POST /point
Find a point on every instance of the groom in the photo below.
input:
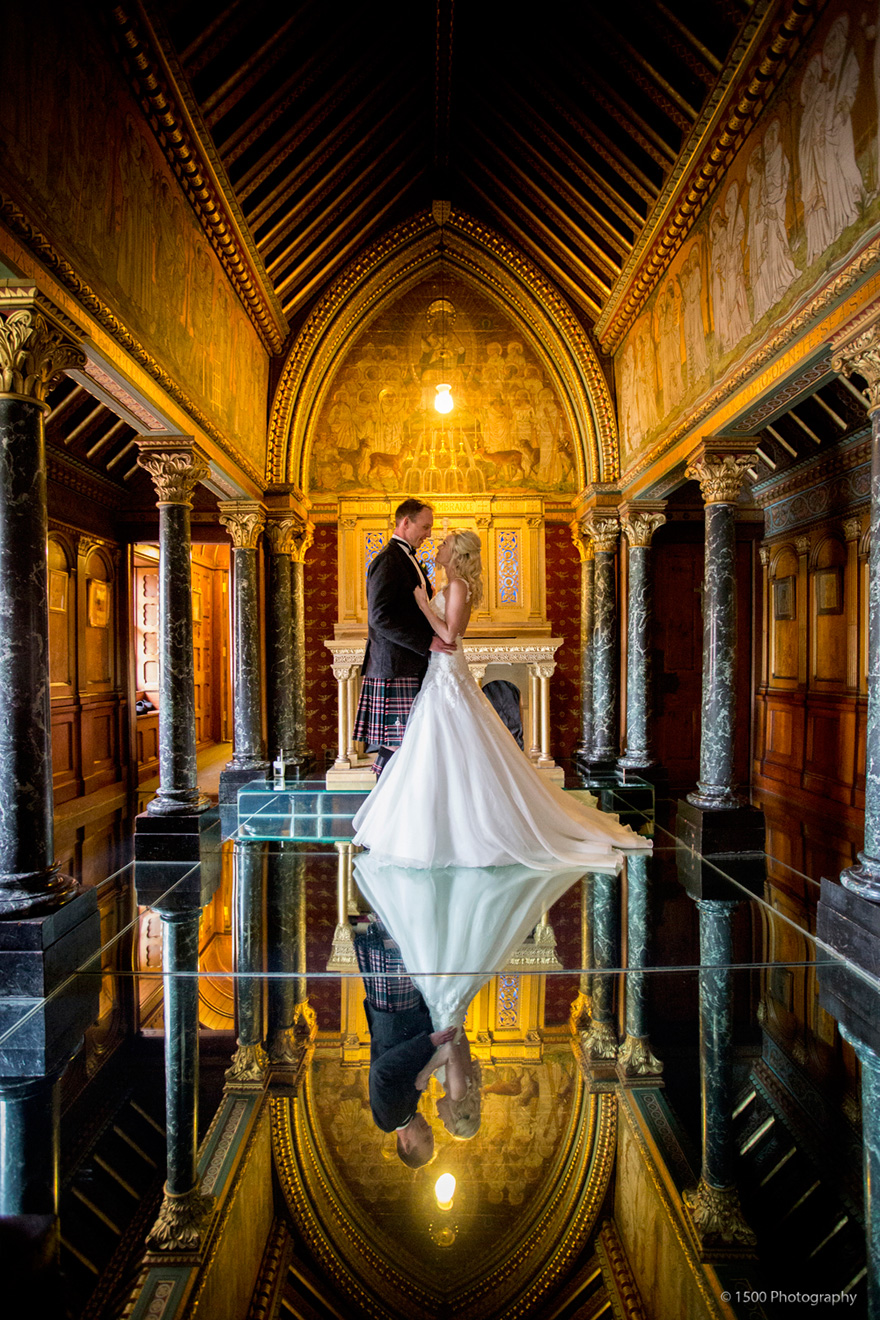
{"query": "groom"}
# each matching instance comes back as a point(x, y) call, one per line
point(399, 636)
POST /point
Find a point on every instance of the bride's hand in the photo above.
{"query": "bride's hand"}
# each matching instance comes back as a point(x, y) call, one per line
point(421, 596)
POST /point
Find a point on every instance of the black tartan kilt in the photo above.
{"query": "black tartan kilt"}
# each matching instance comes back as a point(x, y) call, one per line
point(383, 710)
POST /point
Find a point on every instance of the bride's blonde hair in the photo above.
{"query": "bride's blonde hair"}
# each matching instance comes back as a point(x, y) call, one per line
point(467, 562)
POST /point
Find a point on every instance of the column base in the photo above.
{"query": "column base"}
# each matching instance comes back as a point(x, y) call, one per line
point(717, 1222)
point(864, 878)
point(178, 802)
point(600, 1042)
point(720, 829)
point(34, 893)
point(235, 775)
point(182, 1222)
point(249, 1068)
point(596, 764)
point(172, 838)
point(38, 953)
point(636, 1062)
point(850, 924)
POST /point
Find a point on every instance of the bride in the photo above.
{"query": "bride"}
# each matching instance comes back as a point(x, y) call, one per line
point(459, 792)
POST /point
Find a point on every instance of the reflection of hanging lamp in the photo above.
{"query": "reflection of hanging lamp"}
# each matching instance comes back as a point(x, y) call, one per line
point(444, 401)
point(444, 1190)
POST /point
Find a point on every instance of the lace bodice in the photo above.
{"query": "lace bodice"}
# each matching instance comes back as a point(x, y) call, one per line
point(447, 671)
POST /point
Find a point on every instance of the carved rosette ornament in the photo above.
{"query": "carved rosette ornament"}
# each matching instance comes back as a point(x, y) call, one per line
point(639, 528)
point(34, 354)
point(182, 1222)
point(604, 532)
point(244, 521)
point(862, 358)
point(176, 467)
point(720, 476)
point(717, 1217)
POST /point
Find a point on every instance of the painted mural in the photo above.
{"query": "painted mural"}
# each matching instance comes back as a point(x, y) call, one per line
point(801, 194)
point(378, 428)
point(75, 147)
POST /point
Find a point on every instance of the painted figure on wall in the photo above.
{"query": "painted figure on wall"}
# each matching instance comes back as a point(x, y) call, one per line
point(729, 301)
point(831, 184)
point(668, 321)
point(694, 329)
point(768, 173)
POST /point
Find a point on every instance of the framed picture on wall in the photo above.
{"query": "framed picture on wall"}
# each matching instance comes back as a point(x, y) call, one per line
point(197, 606)
point(98, 600)
point(829, 590)
point(57, 591)
point(784, 598)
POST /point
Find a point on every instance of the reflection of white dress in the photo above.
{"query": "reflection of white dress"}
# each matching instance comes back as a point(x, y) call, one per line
point(456, 927)
point(459, 792)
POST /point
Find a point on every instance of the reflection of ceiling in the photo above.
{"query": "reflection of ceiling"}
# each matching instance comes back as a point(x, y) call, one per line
point(334, 122)
point(530, 1188)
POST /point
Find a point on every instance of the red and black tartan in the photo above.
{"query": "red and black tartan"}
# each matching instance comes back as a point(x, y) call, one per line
point(387, 985)
point(383, 710)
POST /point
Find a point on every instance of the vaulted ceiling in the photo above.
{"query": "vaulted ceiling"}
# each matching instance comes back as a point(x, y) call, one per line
point(556, 125)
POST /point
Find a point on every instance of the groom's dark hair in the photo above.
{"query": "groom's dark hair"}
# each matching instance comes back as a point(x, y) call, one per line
point(410, 508)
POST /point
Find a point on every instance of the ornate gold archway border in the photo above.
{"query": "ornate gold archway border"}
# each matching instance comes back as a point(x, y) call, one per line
point(383, 273)
point(527, 1263)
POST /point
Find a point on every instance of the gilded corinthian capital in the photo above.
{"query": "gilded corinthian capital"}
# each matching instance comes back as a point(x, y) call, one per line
point(284, 534)
point(175, 465)
point(603, 530)
point(861, 357)
point(37, 344)
point(639, 526)
point(720, 476)
point(243, 520)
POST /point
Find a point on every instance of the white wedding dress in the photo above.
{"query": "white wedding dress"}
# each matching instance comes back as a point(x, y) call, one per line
point(456, 926)
point(459, 792)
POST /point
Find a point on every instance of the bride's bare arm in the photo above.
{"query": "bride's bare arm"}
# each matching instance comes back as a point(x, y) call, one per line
point(458, 611)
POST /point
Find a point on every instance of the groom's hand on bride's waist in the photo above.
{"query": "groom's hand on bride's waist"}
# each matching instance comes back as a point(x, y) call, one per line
point(438, 644)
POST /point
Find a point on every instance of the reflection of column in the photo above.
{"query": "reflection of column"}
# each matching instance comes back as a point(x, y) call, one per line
point(290, 1018)
point(604, 530)
point(244, 521)
point(342, 954)
point(302, 543)
point(863, 357)
point(584, 547)
point(720, 477)
point(180, 1225)
point(636, 1058)
point(639, 527)
point(600, 1038)
point(714, 1207)
point(249, 1061)
point(29, 1145)
point(544, 673)
point(34, 355)
point(280, 536)
point(176, 468)
point(870, 1080)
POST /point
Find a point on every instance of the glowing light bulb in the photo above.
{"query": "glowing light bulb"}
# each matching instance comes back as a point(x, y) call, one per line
point(444, 1190)
point(443, 402)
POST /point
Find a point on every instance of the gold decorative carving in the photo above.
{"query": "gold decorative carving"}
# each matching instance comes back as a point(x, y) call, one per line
point(764, 553)
point(603, 530)
point(181, 1223)
point(802, 544)
point(617, 1273)
point(34, 352)
point(852, 528)
point(176, 467)
point(303, 541)
point(862, 357)
point(175, 120)
point(639, 528)
point(717, 1217)
point(636, 1058)
point(282, 533)
point(248, 1068)
point(20, 225)
point(244, 520)
point(271, 1272)
point(720, 476)
point(582, 542)
point(342, 953)
point(599, 1041)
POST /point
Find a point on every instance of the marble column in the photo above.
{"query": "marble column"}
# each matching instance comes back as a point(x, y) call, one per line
point(176, 468)
point(714, 1207)
point(584, 547)
point(720, 477)
point(291, 1023)
point(29, 1145)
point(636, 1059)
point(181, 1222)
point(244, 520)
point(870, 1068)
point(639, 527)
point(34, 353)
point(604, 531)
point(249, 1063)
point(582, 1007)
point(862, 357)
point(286, 660)
point(600, 1040)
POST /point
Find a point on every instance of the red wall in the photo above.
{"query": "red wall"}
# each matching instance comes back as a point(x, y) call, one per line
point(321, 612)
point(563, 613)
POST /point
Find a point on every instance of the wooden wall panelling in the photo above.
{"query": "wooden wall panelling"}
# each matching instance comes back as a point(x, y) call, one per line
point(786, 610)
point(62, 563)
point(99, 686)
point(145, 641)
point(203, 643)
point(828, 616)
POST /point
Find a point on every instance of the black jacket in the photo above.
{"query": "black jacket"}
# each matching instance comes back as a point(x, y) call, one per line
point(400, 1046)
point(398, 634)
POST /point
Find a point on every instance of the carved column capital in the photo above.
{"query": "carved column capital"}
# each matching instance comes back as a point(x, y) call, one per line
point(282, 533)
point(852, 528)
point(720, 476)
point(303, 539)
point(862, 357)
point(764, 553)
point(639, 527)
point(604, 531)
point(244, 521)
point(581, 542)
point(802, 545)
point(37, 344)
point(175, 465)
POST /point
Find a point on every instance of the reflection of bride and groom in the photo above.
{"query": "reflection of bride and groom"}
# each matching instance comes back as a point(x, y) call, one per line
point(453, 790)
